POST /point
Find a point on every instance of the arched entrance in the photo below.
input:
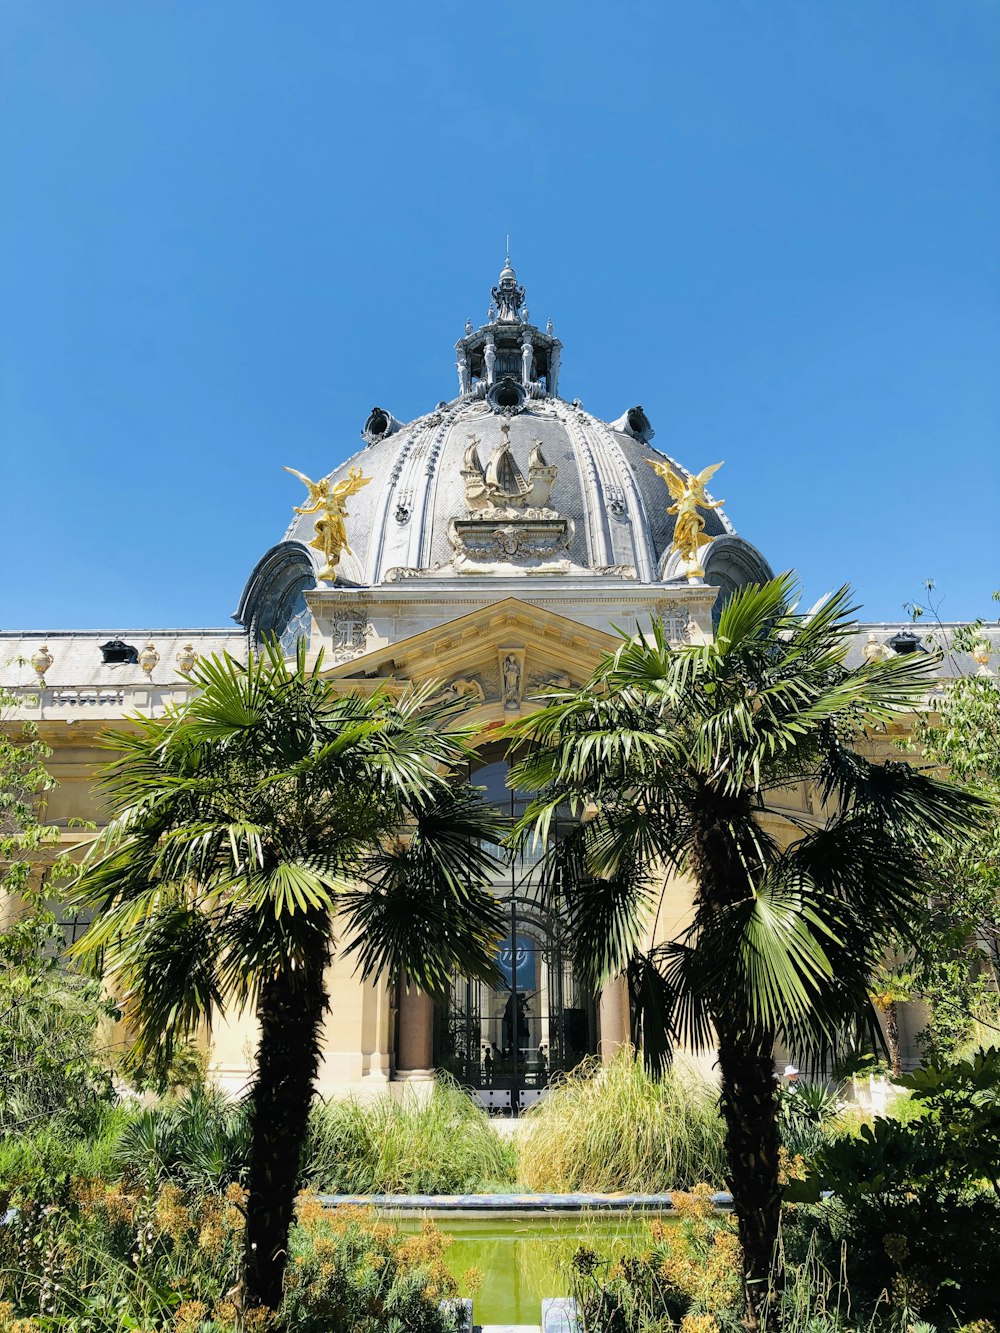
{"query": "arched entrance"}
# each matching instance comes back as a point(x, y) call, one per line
point(505, 1042)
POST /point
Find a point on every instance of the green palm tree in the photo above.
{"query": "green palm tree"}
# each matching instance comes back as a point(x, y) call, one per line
point(890, 987)
point(247, 820)
point(684, 760)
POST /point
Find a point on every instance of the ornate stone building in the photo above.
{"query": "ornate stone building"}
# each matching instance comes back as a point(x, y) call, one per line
point(491, 545)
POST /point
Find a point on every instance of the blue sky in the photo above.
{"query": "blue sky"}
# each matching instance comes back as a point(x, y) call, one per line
point(228, 229)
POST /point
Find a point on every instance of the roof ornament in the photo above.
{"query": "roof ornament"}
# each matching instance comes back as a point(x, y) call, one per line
point(689, 496)
point(501, 487)
point(508, 295)
point(328, 502)
point(41, 660)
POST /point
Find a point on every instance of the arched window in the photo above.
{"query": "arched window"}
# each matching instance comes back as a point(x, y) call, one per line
point(506, 1041)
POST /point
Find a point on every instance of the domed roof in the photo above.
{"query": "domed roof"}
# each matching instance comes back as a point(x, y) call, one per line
point(510, 478)
point(611, 501)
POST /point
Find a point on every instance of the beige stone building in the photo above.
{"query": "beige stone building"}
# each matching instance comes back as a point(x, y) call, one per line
point(501, 540)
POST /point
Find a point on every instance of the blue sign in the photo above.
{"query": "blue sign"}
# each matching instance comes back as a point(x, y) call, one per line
point(525, 954)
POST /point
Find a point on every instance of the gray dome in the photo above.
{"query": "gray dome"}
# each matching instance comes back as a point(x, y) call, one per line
point(401, 522)
point(505, 479)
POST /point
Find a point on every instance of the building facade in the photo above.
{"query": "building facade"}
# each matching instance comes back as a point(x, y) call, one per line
point(495, 545)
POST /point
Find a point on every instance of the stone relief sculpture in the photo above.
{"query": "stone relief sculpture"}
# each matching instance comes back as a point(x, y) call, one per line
point(328, 502)
point(689, 497)
point(511, 672)
point(501, 488)
point(464, 376)
point(462, 688)
point(490, 358)
point(553, 375)
point(541, 474)
point(527, 358)
point(552, 680)
point(351, 630)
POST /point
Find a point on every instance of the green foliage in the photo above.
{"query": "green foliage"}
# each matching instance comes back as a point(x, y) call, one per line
point(23, 780)
point(616, 1129)
point(355, 1274)
point(962, 1103)
point(956, 961)
point(918, 1204)
point(442, 1144)
point(687, 1277)
point(682, 760)
point(47, 1156)
point(200, 1141)
point(682, 756)
point(254, 811)
point(248, 819)
point(50, 1070)
point(51, 1066)
point(93, 1257)
point(88, 1255)
point(808, 1116)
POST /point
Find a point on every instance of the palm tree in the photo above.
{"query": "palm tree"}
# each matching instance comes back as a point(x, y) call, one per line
point(246, 820)
point(891, 987)
point(684, 760)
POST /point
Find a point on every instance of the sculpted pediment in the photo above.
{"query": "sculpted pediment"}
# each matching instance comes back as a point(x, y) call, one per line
point(499, 657)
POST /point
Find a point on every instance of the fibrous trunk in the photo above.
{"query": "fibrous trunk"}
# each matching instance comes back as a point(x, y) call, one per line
point(290, 1010)
point(750, 1110)
point(892, 1038)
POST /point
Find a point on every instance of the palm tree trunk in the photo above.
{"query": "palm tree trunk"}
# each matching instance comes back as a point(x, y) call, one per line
point(290, 1010)
point(892, 1038)
point(750, 1110)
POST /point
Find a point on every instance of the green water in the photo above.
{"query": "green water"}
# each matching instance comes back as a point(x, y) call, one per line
point(523, 1258)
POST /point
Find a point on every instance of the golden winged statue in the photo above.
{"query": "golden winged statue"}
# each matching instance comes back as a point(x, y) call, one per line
point(328, 502)
point(689, 496)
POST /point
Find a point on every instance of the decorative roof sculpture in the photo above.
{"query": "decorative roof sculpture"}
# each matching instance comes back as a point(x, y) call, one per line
point(507, 479)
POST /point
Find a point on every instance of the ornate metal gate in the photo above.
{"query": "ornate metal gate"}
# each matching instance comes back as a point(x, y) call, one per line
point(507, 1041)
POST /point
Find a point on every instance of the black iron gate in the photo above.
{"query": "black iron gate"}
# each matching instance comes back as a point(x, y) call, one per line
point(505, 1042)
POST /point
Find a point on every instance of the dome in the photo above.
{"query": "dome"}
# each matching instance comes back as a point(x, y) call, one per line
point(508, 478)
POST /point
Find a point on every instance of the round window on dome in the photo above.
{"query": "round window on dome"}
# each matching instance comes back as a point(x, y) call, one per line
point(508, 397)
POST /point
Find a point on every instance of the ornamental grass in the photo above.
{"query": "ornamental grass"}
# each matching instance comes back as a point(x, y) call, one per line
point(441, 1144)
point(614, 1129)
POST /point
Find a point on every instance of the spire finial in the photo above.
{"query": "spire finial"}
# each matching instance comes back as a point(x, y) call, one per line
point(508, 296)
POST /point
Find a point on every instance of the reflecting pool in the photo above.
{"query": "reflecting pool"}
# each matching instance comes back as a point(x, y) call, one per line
point(525, 1257)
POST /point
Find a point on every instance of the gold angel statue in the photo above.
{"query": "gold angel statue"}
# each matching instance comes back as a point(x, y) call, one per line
point(328, 502)
point(689, 496)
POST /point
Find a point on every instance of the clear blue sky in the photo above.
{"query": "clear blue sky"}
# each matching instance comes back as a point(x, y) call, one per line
point(228, 229)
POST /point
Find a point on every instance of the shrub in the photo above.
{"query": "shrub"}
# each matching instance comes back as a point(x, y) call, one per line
point(49, 1157)
point(615, 1129)
point(688, 1276)
point(917, 1205)
point(110, 1258)
point(353, 1273)
point(200, 1141)
point(439, 1145)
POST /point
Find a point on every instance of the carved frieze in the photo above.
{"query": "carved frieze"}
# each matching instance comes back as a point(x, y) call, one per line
point(349, 634)
point(461, 688)
point(677, 623)
point(520, 539)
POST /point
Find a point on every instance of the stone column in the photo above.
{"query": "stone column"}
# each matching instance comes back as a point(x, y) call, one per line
point(613, 1018)
point(415, 1058)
